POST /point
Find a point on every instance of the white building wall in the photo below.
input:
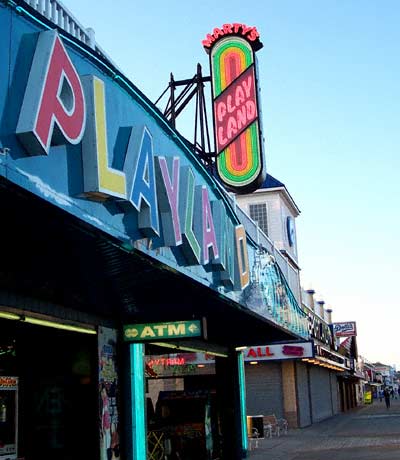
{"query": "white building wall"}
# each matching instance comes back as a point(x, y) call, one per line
point(278, 209)
point(285, 212)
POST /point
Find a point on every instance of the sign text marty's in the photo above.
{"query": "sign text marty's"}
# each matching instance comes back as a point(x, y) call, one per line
point(61, 107)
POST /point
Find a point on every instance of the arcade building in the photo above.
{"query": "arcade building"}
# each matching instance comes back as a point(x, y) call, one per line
point(120, 252)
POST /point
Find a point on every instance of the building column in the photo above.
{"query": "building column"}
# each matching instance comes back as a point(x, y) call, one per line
point(136, 433)
point(232, 405)
point(289, 393)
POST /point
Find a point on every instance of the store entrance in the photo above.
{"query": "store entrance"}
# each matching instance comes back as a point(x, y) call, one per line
point(57, 396)
point(183, 420)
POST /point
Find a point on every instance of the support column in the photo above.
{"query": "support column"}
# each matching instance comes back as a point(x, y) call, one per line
point(289, 393)
point(136, 445)
point(232, 405)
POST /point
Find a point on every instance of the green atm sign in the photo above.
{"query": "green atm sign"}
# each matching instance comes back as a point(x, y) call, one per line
point(161, 331)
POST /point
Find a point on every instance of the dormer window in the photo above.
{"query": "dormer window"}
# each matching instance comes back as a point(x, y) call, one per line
point(258, 212)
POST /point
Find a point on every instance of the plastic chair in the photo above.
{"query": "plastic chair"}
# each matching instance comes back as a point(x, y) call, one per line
point(253, 439)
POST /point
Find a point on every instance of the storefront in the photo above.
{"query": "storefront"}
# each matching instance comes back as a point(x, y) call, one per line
point(113, 232)
point(296, 381)
point(56, 384)
point(183, 404)
point(273, 383)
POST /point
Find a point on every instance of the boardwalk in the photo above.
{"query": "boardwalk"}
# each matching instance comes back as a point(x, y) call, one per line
point(367, 433)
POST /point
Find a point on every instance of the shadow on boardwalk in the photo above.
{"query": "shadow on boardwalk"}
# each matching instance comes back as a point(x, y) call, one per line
point(367, 433)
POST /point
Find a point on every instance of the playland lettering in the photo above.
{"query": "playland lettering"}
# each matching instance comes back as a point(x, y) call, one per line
point(235, 109)
point(60, 107)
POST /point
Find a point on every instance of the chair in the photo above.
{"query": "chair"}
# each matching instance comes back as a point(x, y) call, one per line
point(283, 423)
point(274, 426)
point(253, 439)
point(267, 429)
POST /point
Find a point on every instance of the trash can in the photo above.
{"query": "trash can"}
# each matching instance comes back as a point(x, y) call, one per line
point(255, 422)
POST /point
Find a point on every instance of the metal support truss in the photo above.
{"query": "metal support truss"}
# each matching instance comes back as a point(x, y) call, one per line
point(191, 88)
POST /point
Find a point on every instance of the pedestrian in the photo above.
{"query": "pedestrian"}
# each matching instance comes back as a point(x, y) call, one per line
point(386, 394)
point(380, 395)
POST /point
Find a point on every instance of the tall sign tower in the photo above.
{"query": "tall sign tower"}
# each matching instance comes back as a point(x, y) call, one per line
point(237, 118)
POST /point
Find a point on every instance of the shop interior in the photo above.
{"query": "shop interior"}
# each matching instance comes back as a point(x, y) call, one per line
point(183, 417)
point(55, 411)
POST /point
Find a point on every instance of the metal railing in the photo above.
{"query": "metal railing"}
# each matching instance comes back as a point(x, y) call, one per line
point(58, 14)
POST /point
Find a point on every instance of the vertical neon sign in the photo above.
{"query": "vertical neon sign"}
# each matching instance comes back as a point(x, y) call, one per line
point(137, 403)
point(242, 396)
point(238, 137)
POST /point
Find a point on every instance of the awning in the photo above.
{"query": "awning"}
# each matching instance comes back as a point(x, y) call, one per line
point(54, 259)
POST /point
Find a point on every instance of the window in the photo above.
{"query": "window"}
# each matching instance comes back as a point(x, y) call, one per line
point(258, 212)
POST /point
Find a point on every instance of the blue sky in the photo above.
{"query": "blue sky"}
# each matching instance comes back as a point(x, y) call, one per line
point(329, 75)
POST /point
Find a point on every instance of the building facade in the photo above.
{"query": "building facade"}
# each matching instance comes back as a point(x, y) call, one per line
point(303, 390)
point(121, 254)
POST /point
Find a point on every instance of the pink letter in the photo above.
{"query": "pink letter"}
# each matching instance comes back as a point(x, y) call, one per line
point(53, 111)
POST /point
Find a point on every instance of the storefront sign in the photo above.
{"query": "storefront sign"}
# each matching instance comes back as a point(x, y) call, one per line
point(330, 356)
point(8, 417)
point(345, 329)
point(319, 329)
point(8, 383)
point(179, 364)
point(237, 125)
point(60, 107)
point(279, 352)
point(162, 331)
point(235, 109)
point(241, 30)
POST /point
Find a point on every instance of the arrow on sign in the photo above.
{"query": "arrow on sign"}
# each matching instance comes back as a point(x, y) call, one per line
point(192, 328)
point(131, 333)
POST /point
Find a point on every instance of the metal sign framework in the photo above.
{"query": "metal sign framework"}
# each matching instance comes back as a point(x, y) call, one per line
point(191, 88)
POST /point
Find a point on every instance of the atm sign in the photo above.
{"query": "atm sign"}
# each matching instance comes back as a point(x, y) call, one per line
point(162, 331)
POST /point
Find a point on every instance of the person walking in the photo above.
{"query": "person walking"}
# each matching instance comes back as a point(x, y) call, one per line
point(386, 395)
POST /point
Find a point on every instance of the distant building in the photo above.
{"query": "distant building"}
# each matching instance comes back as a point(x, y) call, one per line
point(303, 390)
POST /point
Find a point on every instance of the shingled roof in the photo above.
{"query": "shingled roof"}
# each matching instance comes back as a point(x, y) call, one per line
point(271, 182)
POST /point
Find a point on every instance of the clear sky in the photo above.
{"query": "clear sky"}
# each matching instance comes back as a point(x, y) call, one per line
point(330, 81)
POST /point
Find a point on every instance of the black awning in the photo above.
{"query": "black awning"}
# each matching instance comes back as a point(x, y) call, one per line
point(50, 255)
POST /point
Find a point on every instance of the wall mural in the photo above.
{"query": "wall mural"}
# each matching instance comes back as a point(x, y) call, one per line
point(269, 295)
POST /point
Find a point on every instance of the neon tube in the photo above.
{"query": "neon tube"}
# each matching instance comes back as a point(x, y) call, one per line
point(242, 396)
point(137, 401)
point(47, 323)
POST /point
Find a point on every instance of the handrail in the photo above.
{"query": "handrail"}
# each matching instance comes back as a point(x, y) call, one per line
point(57, 13)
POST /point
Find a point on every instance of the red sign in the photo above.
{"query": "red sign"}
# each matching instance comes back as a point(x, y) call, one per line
point(281, 351)
point(250, 33)
point(259, 352)
point(292, 350)
point(235, 109)
point(8, 382)
point(345, 329)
